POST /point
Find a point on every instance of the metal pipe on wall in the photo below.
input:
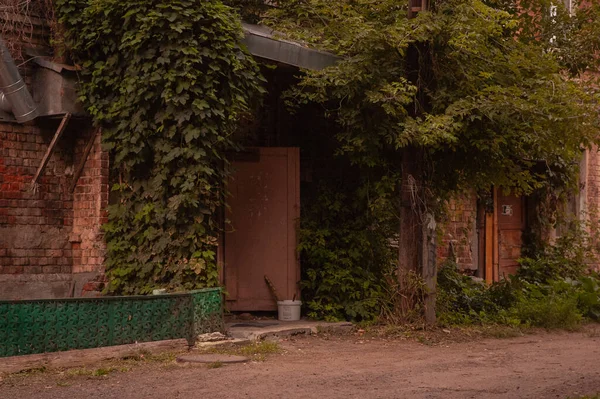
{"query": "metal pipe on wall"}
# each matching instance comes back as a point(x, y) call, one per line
point(14, 91)
point(4, 104)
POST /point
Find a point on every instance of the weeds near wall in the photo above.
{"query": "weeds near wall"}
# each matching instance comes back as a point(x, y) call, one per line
point(394, 309)
point(553, 290)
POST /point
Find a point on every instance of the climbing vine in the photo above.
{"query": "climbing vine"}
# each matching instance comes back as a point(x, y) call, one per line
point(167, 81)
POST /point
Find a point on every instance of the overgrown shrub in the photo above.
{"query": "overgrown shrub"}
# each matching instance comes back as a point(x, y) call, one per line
point(462, 300)
point(553, 288)
point(403, 303)
point(562, 303)
point(588, 298)
point(567, 258)
point(345, 256)
point(551, 310)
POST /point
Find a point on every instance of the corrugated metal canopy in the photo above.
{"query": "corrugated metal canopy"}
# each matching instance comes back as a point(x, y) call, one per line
point(261, 42)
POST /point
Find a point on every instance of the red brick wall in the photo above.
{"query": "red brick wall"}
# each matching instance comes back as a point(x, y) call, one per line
point(591, 192)
point(459, 232)
point(48, 233)
point(90, 200)
point(34, 223)
point(50, 239)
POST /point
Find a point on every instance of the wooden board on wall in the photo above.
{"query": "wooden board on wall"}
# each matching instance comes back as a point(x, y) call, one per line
point(489, 247)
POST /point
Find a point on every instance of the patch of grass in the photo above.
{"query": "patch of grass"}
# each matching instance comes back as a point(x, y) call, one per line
point(436, 335)
point(63, 384)
point(138, 355)
point(162, 357)
point(78, 372)
point(103, 371)
point(257, 351)
point(32, 371)
point(550, 312)
point(215, 365)
point(85, 372)
point(502, 332)
point(260, 348)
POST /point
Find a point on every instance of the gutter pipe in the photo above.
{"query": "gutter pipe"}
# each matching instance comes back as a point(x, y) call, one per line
point(14, 96)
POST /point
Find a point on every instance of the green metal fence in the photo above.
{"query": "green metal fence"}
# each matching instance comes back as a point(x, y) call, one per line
point(50, 325)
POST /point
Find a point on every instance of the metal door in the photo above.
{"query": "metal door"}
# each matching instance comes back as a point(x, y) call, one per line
point(263, 210)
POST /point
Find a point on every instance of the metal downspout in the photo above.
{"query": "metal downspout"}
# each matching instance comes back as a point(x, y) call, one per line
point(14, 96)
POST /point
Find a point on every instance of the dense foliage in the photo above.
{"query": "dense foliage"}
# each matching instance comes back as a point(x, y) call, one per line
point(345, 256)
point(481, 91)
point(553, 290)
point(166, 81)
point(466, 83)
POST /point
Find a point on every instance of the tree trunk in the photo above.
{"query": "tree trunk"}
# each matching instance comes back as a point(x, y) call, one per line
point(416, 238)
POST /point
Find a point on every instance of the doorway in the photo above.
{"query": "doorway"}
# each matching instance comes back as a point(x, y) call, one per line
point(261, 237)
point(504, 228)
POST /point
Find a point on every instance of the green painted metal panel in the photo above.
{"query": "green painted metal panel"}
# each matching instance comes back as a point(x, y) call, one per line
point(51, 325)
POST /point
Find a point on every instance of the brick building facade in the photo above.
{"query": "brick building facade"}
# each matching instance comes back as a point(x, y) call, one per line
point(50, 238)
point(463, 231)
point(50, 233)
point(51, 242)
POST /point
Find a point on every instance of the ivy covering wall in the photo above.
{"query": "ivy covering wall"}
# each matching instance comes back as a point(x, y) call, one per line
point(167, 81)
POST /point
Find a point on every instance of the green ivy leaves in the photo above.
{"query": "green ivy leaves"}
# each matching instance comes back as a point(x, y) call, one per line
point(167, 82)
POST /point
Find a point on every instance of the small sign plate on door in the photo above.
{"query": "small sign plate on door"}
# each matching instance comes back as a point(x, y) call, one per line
point(507, 210)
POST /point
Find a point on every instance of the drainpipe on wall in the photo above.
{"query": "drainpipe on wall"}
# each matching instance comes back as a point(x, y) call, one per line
point(14, 96)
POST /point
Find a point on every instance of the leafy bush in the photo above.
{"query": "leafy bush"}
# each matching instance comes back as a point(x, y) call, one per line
point(589, 296)
point(549, 311)
point(462, 300)
point(345, 256)
point(559, 303)
point(568, 258)
point(552, 289)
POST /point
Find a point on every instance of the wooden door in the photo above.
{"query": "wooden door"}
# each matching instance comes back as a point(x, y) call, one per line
point(511, 224)
point(263, 210)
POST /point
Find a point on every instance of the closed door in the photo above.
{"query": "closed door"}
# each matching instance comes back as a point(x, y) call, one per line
point(260, 240)
point(511, 224)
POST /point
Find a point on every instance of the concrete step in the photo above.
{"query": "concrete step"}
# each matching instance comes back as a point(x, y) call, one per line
point(257, 330)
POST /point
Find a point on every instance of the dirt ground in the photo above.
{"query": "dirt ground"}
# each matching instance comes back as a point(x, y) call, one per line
point(543, 365)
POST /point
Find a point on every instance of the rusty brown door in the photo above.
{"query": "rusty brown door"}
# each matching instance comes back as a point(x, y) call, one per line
point(511, 224)
point(263, 210)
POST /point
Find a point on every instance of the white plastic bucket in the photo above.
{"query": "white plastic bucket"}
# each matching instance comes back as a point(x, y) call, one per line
point(288, 310)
